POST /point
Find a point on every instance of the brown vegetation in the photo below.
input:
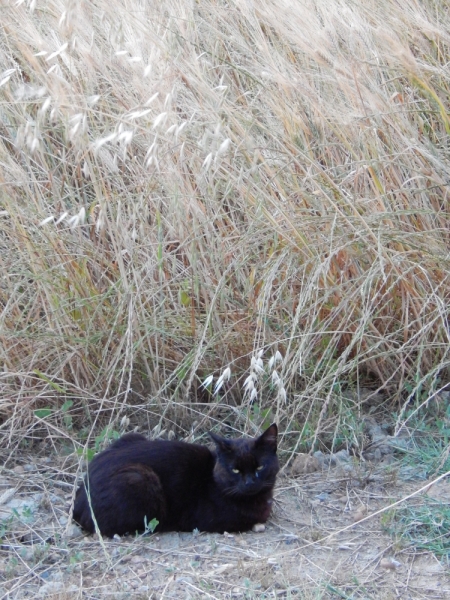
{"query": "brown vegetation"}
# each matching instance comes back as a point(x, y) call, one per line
point(184, 183)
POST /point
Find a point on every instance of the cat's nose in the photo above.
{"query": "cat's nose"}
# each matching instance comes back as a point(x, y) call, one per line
point(248, 480)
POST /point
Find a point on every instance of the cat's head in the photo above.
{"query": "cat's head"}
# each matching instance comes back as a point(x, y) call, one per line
point(246, 466)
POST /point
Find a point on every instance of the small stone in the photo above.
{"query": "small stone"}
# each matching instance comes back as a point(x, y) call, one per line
point(347, 468)
point(323, 496)
point(304, 463)
point(73, 532)
point(52, 587)
point(22, 503)
point(126, 559)
point(136, 560)
point(258, 528)
point(29, 467)
point(63, 521)
point(19, 469)
point(342, 456)
point(46, 575)
point(390, 564)
point(53, 558)
point(359, 515)
point(185, 580)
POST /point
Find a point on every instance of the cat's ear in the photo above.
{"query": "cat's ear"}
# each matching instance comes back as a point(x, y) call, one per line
point(269, 438)
point(222, 444)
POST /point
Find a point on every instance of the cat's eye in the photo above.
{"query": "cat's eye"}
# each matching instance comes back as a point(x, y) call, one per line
point(235, 470)
point(260, 468)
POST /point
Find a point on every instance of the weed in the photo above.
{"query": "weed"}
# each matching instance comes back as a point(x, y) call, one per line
point(6, 526)
point(425, 526)
point(150, 526)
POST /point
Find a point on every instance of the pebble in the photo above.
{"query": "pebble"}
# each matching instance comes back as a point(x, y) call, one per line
point(359, 515)
point(19, 469)
point(136, 560)
point(73, 532)
point(258, 528)
point(22, 503)
point(348, 468)
point(323, 496)
point(332, 460)
point(185, 580)
point(53, 558)
point(390, 564)
point(51, 575)
point(52, 587)
point(305, 464)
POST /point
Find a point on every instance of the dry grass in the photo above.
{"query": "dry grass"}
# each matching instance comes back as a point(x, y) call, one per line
point(232, 176)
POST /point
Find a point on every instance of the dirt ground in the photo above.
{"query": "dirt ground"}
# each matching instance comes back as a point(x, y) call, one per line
point(303, 552)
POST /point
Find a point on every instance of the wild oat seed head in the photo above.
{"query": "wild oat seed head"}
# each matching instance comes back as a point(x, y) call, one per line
point(249, 384)
point(61, 218)
point(47, 220)
point(226, 374)
point(208, 381)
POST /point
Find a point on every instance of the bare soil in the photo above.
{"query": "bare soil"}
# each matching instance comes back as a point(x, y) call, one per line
point(304, 552)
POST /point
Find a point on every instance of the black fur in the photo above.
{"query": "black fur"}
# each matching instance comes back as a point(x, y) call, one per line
point(184, 486)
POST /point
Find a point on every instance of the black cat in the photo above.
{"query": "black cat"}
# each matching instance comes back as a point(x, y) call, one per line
point(183, 486)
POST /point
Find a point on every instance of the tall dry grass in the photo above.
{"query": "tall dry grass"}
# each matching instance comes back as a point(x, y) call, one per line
point(184, 183)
